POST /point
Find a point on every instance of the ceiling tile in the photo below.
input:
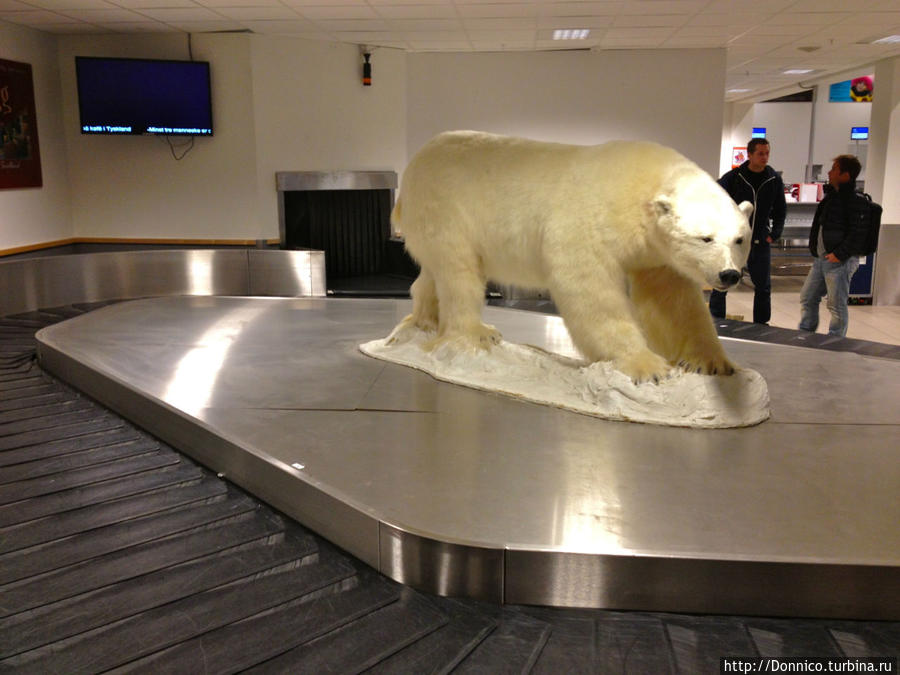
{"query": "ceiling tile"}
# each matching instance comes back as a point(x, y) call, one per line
point(592, 22)
point(148, 26)
point(712, 32)
point(648, 21)
point(440, 45)
point(501, 36)
point(658, 7)
point(811, 19)
point(324, 3)
point(213, 4)
point(181, 14)
point(75, 28)
point(416, 11)
point(221, 26)
point(285, 27)
point(581, 9)
point(649, 34)
point(258, 13)
point(495, 10)
point(343, 25)
point(58, 5)
point(160, 4)
point(375, 3)
point(103, 15)
point(337, 12)
point(407, 25)
point(747, 6)
point(682, 42)
point(740, 20)
point(36, 17)
point(500, 24)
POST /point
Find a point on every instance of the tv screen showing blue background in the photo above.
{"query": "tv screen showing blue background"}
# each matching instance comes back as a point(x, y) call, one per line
point(142, 96)
point(859, 133)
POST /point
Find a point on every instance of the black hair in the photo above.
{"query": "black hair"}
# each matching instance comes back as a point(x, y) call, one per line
point(751, 146)
point(849, 164)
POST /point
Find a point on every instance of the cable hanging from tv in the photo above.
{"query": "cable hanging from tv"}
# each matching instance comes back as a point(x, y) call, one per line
point(174, 148)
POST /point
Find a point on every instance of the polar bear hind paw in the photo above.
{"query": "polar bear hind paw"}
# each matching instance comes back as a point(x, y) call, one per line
point(644, 367)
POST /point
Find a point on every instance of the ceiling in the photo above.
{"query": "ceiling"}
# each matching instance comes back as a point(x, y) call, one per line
point(763, 38)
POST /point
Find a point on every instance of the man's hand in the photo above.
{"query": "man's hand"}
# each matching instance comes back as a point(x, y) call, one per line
point(831, 257)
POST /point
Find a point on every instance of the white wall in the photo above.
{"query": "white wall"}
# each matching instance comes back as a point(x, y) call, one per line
point(736, 127)
point(312, 112)
point(669, 96)
point(131, 186)
point(30, 215)
point(787, 130)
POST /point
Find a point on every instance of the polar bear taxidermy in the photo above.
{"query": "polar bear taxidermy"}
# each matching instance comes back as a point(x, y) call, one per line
point(623, 235)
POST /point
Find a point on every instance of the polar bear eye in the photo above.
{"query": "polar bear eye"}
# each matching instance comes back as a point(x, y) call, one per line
point(739, 241)
point(706, 240)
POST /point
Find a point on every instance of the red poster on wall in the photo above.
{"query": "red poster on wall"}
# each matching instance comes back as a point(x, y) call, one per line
point(20, 158)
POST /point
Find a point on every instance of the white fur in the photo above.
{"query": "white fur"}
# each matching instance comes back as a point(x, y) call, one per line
point(616, 232)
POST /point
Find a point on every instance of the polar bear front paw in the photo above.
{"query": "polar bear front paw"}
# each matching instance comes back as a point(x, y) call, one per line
point(406, 330)
point(707, 365)
point(479, 338)
point(487, 336)
point(644, 367)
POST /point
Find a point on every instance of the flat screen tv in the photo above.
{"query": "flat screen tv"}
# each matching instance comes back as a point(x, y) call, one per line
point(144, 96)
point(859, 133)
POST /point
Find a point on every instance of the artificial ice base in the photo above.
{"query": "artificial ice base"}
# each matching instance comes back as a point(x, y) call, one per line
point(598, 389)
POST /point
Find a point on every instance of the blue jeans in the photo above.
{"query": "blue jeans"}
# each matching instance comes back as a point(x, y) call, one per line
point(833, 280)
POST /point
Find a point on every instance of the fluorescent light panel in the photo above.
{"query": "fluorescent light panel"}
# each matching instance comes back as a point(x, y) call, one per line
point(571, 34)
point(798, 71)
point(889, 40)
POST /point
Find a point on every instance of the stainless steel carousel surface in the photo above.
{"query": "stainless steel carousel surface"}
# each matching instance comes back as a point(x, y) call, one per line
point(463, 492)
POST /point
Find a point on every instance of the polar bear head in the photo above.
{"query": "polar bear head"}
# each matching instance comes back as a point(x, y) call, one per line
point(706, 234)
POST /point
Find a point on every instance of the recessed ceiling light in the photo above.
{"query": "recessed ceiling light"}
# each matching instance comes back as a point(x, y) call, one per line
point(571, 34)
point(737, 91)
point(889, 40)
point(798, 71)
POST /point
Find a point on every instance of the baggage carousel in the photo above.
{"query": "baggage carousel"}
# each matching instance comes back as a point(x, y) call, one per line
point(462, 492)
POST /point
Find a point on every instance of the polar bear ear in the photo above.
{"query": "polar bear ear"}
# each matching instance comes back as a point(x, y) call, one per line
point(663, 205)
point(746, 208)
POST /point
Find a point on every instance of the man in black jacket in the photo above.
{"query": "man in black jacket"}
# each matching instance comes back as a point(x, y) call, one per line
point(838, 234)
point(756, 182)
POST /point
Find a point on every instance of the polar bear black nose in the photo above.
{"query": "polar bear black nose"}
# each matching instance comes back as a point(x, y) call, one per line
point(730, 277)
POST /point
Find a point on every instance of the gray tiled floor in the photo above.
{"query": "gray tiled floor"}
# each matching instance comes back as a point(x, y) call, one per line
point(867, 322)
